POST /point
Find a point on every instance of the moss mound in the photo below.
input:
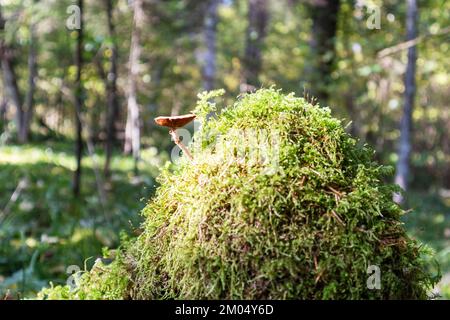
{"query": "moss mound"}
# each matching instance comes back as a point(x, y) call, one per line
point(279, 202)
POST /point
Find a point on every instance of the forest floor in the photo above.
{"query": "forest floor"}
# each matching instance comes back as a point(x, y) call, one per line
point(43, 230)
point(429, 222)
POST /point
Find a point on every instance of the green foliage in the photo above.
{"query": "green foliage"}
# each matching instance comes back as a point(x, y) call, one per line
point(204, 105)
point(429, 222)
point(223, 226)
point(43, 230)
point(102, 282)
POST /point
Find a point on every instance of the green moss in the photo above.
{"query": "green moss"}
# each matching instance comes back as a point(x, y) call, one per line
point(101, 282)
point(279, 203)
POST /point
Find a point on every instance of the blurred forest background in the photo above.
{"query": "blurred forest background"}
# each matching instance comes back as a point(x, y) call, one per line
point(79, 151)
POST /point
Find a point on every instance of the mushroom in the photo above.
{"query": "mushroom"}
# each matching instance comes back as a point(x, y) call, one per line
point(175, 122)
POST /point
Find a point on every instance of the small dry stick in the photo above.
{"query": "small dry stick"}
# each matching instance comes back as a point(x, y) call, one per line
point(173, 133)
point(173, 123)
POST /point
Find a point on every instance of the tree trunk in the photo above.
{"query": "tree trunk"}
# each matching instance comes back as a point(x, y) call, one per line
point(3, 111)
point(324, 14)
point(258, 18)
point(78, 105)
point(132, 130)
point(210, 34)
point(24, 133)
point(11, 87)
point(111, 87)
point(10, 78)
point(404, 146)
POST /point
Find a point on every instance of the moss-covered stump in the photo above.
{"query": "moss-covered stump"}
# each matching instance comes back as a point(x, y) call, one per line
point(279, 202)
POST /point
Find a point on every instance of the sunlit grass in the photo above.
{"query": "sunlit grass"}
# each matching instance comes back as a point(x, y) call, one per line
point(40, 218)
point(62, 155)
point(429, 222)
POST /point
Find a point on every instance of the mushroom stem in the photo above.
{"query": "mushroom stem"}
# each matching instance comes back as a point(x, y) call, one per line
point(176, 139)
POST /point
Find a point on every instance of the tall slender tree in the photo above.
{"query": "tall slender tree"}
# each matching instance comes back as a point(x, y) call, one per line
point(24, 133)
point(3, 111)
point(4, 99)
point(404, 144)
point(258, 17)
point(23, 107)
point(132, 130)
point(111, 88)
point(210, 36)
point(78, 105)
point(9, 75)
point(324, 14)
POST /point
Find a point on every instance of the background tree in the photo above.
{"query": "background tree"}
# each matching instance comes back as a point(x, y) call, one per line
point(23, 103)
point(209, 68)
point(132, 131)
point(324, 15)
point(78, 104)
point(32, 74)
point(404, 145)
point(10, 78)
point(111, 88)
point(258, 18)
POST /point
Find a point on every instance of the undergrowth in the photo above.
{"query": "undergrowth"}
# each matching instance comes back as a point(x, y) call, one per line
point(279, 202)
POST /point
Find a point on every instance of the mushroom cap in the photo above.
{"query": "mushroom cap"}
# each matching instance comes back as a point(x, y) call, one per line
point(175, 121)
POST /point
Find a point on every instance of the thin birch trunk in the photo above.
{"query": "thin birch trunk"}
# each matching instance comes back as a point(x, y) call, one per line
point(404, 145)
point(210, 38)
point(132, 130)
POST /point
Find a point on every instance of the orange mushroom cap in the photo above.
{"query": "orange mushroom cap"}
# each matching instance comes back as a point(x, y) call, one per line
point(175, 121)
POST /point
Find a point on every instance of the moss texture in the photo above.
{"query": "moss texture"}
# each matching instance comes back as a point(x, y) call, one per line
point(278, 203)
